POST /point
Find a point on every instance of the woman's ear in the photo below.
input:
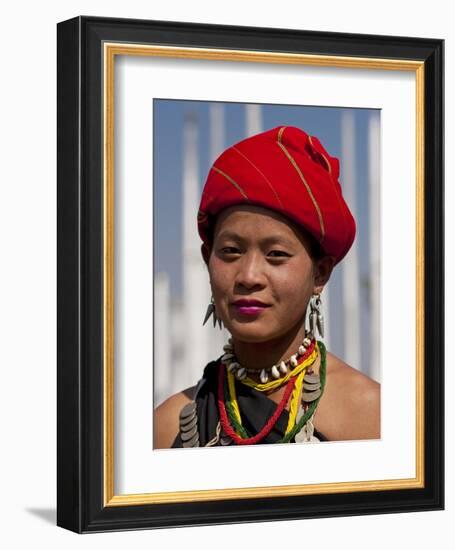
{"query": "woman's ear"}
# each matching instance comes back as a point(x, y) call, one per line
point(322, 271)
point(205, 251)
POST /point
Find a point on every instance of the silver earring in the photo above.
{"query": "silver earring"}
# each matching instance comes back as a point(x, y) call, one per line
point(316, 317)
point(211, 310)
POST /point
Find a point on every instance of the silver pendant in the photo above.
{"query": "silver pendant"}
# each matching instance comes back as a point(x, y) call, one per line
point(311, 378)
point(310, 387)
point(186, 426)
point(189, 410)
point(209, 312)
point(186, 436)
point(311, 396)
point(193, 442)
point(320, 324)
point(313, 318)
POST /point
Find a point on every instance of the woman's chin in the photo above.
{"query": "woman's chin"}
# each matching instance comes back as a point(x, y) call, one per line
point(249, 331)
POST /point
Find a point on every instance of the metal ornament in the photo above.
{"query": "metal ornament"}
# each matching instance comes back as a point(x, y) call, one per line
point(311, 388)
point(186, 436)
point(211, 310)
point(193, 442)
point(313, 320)
point(225, 439)
point(310, 396)
point(320, 324)
point(306, 434)
point(316, 317)
point(188, 411)
point(188, 425)
point(311, 378)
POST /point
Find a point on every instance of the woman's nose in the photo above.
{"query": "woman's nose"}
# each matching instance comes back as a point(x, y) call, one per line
point(251, 271)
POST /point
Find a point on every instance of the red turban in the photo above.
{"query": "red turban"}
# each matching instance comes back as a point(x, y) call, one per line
point(288, 171)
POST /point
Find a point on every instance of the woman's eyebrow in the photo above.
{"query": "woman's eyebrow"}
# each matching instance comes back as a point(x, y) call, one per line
point(226, 234)
point(277, 239)
point(272, 239)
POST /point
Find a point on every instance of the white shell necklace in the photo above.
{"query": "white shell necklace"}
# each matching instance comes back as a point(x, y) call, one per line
point(275, 371)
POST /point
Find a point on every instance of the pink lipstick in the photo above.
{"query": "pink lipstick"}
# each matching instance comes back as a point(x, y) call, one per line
point(249, 307)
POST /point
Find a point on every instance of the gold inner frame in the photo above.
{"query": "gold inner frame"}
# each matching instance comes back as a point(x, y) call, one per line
point(110, 50)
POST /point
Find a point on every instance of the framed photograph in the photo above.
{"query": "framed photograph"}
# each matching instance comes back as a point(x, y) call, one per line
point(250, 274)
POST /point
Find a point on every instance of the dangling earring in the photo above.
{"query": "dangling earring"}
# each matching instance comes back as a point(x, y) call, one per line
point(211, 310)
point(316, 317)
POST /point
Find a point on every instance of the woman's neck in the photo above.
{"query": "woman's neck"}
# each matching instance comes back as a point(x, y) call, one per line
point(259, 355)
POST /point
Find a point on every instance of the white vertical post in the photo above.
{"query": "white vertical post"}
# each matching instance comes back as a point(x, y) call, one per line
point(216, 337)
point(162, 373)
point(350, 265)
point(217, 130)
point(374, 178)
point(253, 122)
point(194, 275)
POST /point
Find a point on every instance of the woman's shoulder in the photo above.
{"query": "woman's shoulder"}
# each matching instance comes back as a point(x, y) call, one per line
point(343, 373)
point(166, 415)
point(166, 418)
point(350, 406)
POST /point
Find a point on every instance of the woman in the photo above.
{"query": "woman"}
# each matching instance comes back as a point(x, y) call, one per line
point(273, 223)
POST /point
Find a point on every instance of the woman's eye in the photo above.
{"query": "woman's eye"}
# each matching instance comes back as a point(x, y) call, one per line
point(278, 254)
point(230, 250)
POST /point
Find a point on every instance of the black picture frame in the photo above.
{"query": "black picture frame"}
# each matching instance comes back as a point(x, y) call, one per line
point(81, 476)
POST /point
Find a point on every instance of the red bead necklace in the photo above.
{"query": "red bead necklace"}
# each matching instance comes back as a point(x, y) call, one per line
point(229, 430)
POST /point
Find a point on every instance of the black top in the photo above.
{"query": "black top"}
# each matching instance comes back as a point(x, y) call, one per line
point(256, 410)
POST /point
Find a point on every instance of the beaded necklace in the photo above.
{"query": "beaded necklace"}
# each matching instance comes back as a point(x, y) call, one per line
point(313, 405)
point(308, 358)
point(230, 417)
point(298, 374)
point(226, 424)
point(276, 372)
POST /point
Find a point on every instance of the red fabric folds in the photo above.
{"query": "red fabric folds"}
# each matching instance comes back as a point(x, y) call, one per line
point(288, 171)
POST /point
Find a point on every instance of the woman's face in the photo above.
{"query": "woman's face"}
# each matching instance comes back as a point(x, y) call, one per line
point(259, 255)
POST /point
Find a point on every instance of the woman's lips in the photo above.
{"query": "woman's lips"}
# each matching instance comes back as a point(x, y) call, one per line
point(249, 309)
